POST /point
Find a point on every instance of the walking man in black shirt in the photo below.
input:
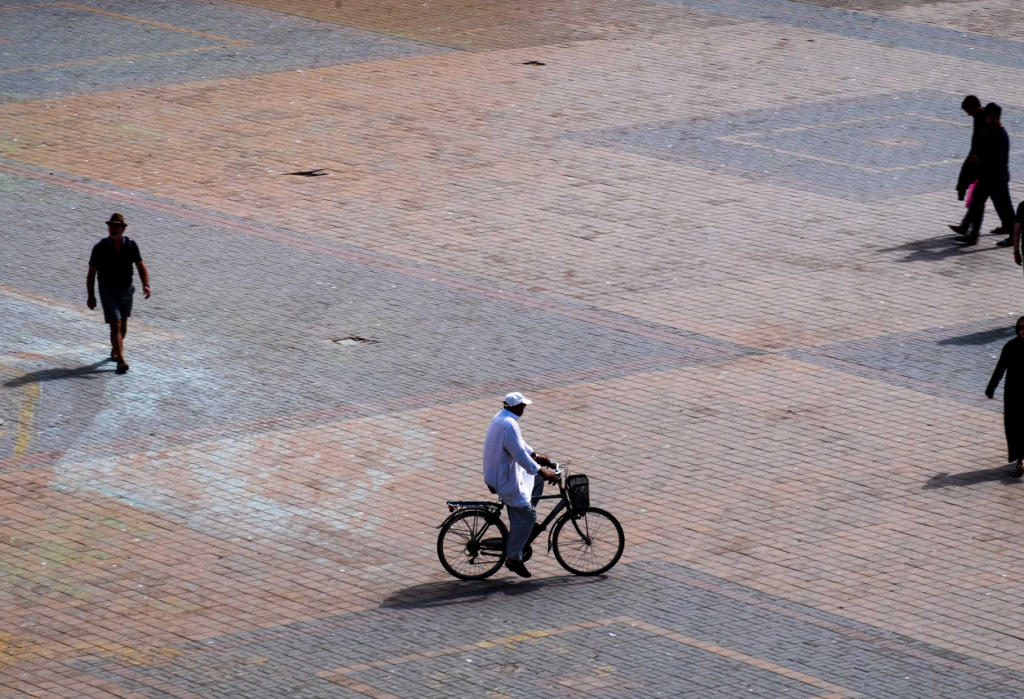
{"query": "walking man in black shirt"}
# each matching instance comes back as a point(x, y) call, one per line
point(969, 170)
point(993, 177)
point(112, 258)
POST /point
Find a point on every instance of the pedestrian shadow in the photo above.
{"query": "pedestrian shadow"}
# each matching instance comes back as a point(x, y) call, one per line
point(935, 249)
point(452, 592)
point(985, 337)
point(1003, 474)
point(88, 371)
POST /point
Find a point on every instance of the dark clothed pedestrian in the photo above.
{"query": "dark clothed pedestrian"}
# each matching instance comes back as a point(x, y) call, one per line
point(1011, 362)
point(993, 177)
point(971, 106)
point(1017, 226)
point(112, 260)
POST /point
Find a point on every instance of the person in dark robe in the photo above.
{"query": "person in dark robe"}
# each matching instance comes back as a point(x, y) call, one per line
point(1011, 362)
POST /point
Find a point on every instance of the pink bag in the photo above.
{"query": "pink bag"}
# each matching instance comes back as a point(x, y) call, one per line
point(970, 194)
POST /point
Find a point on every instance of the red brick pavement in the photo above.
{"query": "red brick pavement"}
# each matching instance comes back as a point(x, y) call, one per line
point(813, 484)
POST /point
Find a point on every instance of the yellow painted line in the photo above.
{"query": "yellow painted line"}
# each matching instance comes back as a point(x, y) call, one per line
point(169, 27)
point(341, 675)
point(826, 124)
point(740, 140)
point(26, 416)
point(834, 690)
point(108, 59)
point(13, 649)
point(853, 166)
point(361, 688)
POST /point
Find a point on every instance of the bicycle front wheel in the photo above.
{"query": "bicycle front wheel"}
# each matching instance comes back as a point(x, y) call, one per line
point(592, 546)
point(471, 545)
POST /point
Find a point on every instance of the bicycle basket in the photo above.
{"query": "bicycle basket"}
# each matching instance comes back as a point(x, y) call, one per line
point(578, 489)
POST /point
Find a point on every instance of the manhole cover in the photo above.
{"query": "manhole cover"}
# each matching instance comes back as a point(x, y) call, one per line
point(354, 341)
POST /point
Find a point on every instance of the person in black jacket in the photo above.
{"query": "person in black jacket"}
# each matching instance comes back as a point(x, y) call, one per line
point(1011, 362)
point(969, 170)
point(993, 177)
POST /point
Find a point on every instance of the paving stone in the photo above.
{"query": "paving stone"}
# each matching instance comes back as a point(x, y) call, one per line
point(864, 148)
point(771, 371)
point(682, 650)
point(119, 44)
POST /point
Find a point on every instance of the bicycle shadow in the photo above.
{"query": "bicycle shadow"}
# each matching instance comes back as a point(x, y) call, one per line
point(451, 592)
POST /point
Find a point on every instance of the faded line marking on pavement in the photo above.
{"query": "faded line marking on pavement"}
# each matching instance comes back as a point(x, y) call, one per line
point(741, 140)
point(736, 140)
point(341, 676)
point(13, 649)
point(835, 691)
point(109, 59)
point(161, 25)
point(757, 599)
point(169, 27)
point(359, 687)
point(26, 417)
point(325, 25)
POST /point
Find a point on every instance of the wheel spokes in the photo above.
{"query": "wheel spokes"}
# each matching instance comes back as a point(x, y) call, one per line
point(594, 549)
point(462, 545)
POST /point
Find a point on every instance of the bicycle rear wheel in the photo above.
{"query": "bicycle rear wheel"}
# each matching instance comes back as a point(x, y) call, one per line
point(471, 545)
point(597, 550)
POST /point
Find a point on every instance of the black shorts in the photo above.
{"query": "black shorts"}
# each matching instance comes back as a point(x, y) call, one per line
point(117, 303)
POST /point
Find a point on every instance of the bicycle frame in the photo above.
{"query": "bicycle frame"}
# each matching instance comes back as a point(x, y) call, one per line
point(494, 510)
point(538, 528)
point(563, 505)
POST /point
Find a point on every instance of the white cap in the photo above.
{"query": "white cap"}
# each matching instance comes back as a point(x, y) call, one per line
point(517, 398)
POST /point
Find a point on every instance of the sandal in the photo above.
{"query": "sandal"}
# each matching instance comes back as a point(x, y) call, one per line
point(1018, 469)
point(122, 367)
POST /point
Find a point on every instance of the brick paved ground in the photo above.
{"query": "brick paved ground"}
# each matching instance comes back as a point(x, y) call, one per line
point(708, 237)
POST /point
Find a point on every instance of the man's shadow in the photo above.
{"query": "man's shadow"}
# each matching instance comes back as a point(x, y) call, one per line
point(88, 371)
point(1003, 474)
point(934, 249)
point(984, 337)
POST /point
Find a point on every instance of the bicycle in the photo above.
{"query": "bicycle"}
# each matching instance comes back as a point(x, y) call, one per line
point(472, 542)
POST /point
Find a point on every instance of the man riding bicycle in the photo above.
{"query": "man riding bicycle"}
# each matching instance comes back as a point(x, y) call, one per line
point(509, 469)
